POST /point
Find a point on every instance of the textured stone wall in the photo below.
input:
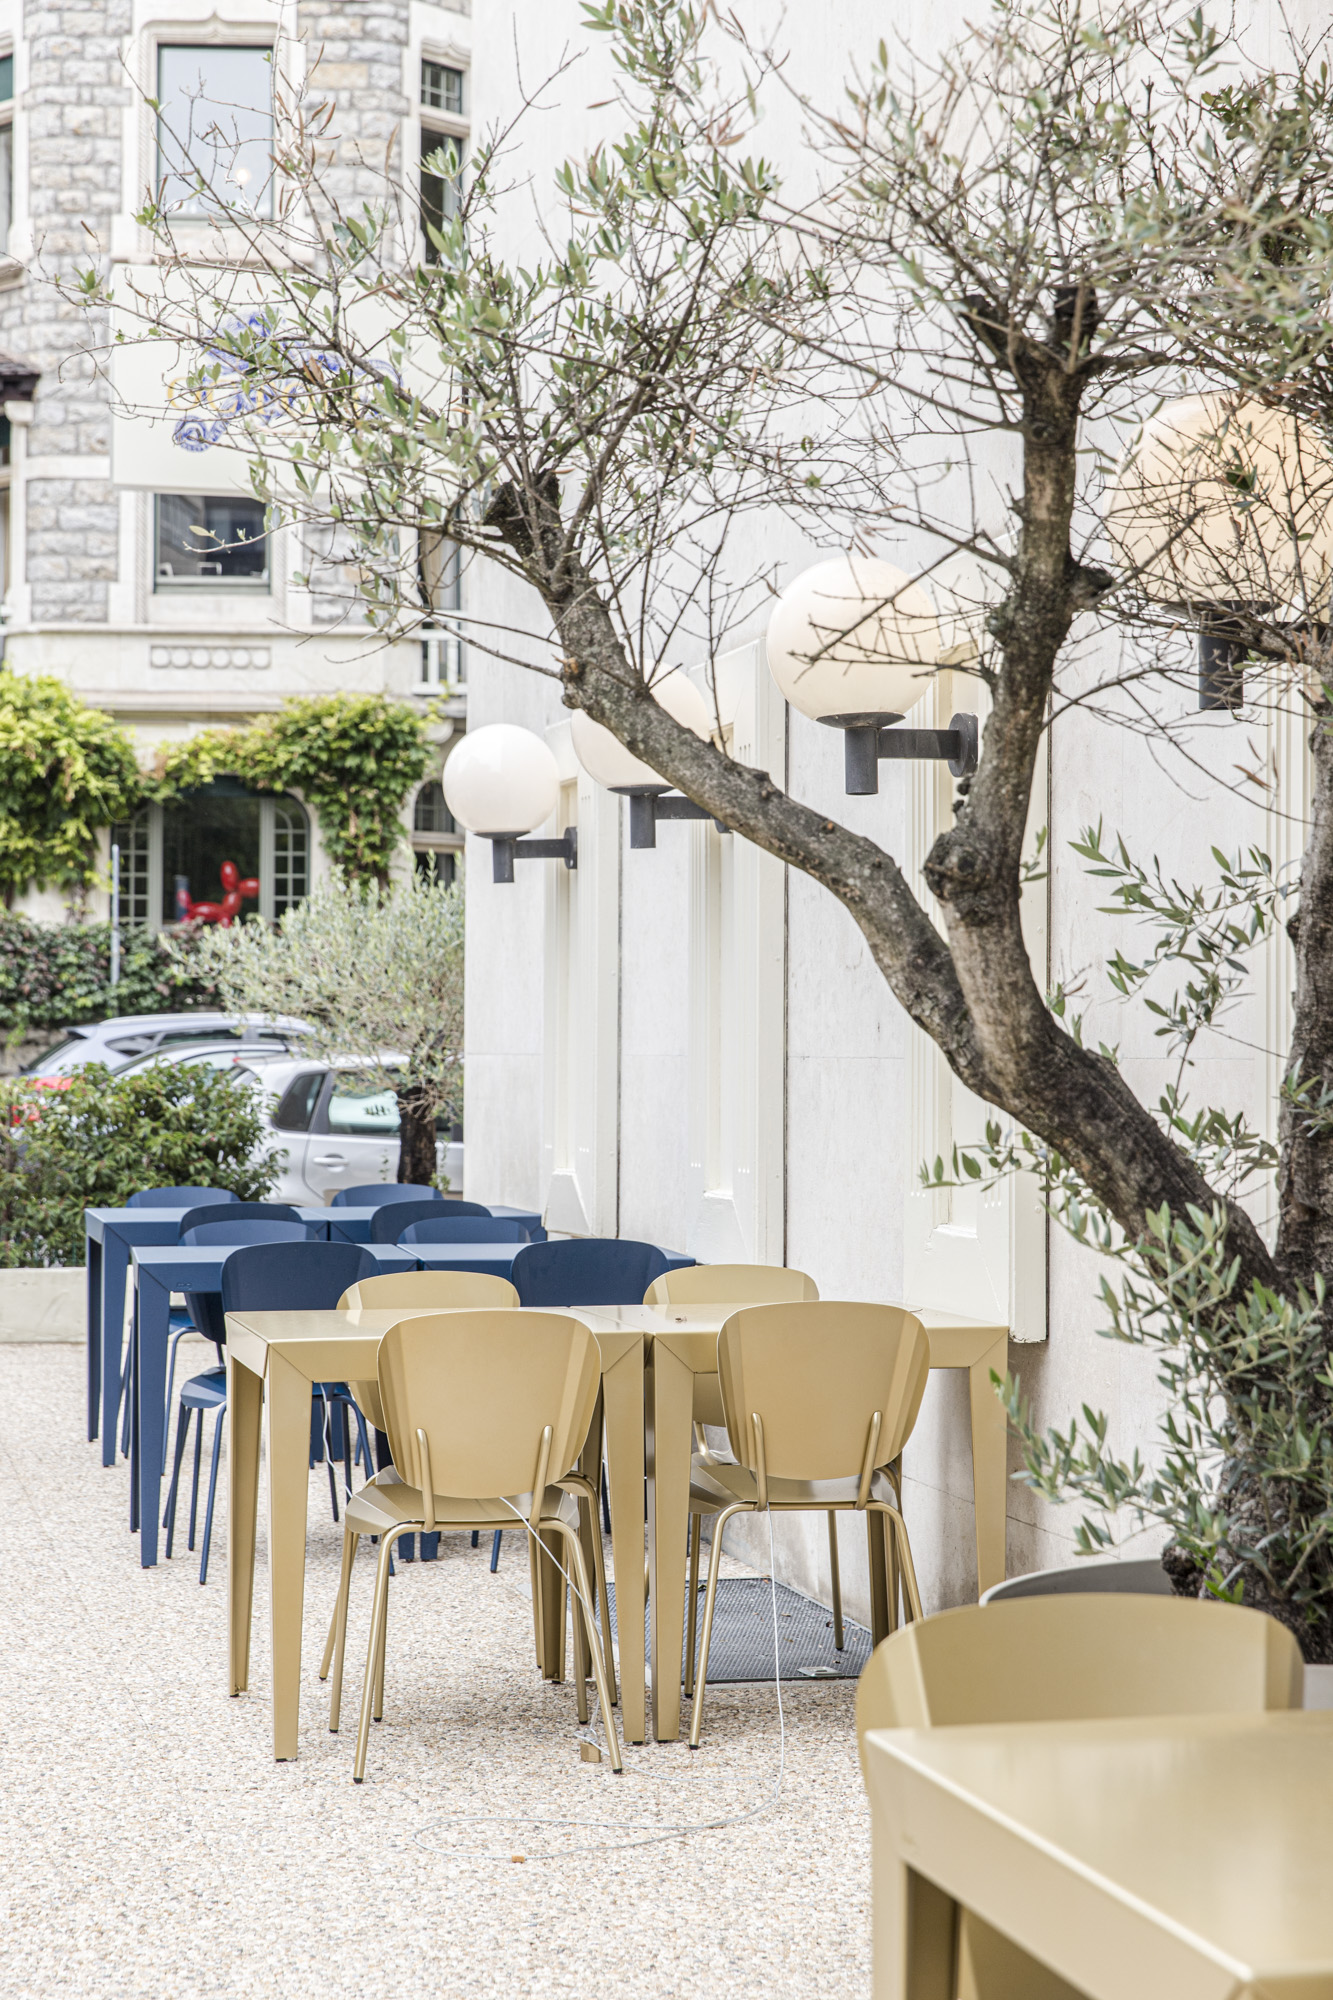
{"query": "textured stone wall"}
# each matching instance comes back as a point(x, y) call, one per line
point(354, 49)
point(73, 103)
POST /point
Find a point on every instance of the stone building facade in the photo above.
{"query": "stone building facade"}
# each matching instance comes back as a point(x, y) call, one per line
point(90, 592)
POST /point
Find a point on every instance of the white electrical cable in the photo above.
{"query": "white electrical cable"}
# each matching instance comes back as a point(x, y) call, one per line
point(654, 1834)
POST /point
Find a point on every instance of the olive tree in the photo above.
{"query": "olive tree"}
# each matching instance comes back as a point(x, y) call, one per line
point(377, 976)
point(1016, 254)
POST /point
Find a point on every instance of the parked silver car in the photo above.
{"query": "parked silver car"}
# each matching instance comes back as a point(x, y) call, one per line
point(118, 1041)
point(334, 1125)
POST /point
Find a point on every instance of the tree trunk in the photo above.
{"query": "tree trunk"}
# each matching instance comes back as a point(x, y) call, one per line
point(1305, 1175)
point(416, 1137)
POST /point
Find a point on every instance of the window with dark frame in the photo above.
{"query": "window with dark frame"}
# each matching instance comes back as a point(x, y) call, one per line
point(442, 93)
point(203, 542)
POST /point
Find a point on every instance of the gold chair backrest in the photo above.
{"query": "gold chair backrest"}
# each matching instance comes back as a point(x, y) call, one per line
point(816, 1374)
point(730, 1285)
point(1079, 1658)
point(418, 1291)
point(484, 1386)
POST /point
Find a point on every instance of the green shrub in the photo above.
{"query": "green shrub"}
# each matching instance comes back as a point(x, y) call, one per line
point(54, 974)
point(96, 1142)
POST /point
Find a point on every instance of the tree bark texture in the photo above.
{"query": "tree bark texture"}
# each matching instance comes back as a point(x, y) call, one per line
point(974, 994)
point(416, 1138)
point(1305, 1173)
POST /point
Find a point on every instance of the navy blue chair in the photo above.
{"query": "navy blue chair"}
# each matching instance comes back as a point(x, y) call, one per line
point(466, 1229)
point(274, 1277)
point(586, 1271)
point(237, 1211)
point(284, 1277)
point(389, 1222)
point(177, 1197)
point(203, 1313)
point(371, 1194)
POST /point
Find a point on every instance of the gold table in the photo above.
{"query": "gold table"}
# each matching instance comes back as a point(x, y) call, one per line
point(650, 1358)
point(1167, 1858)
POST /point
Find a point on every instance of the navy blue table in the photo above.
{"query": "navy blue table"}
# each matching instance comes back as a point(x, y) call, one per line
point(109, 1236)
point(158, 1272)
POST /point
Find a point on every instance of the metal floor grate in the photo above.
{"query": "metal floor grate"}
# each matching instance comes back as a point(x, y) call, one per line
point(742, 1647)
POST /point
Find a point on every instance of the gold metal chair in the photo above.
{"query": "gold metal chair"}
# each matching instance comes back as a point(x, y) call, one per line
point(479, 1405)
point(733, 1285)
point(819, 1400)
point(1066, 1659)
point(418, 1291)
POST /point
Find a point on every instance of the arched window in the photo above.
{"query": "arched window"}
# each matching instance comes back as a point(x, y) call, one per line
point(436, 840)
point(172, 856)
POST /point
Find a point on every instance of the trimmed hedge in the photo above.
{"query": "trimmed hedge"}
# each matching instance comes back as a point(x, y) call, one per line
point(101, 1138)
point(54, 974)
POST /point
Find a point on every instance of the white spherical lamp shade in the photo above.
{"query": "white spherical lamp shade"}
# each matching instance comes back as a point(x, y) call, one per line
point(853, 639)
point(501, 779)
point(1225, 504)
point(605, 758)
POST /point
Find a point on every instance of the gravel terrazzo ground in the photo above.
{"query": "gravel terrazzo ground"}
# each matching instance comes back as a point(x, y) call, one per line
point(153, 1848)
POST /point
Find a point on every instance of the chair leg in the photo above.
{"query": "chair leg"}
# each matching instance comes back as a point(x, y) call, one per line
point(345, 1430)
point(692, 1608)
point(125, 1410)
point(584, 1610)
point(194, 1483)
point(327, 1441)
point(599, 1574)
point(171, 1364)
point(212, 1488)
point(476, 1538)
point(383, 1648)
point(710, 1600)
point(580, 1657)
point(837, 1581)
point(902, 1547)
point(182, 1439)
point(362, 1444)
point(495, 1550)
point(338, 1630)
point(372, 1659)
point(606, 1504)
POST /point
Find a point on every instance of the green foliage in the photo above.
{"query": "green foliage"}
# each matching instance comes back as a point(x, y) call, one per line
point(1245, 1480)
point(355, 757)
point(372, 971)
point(65, 770)
point(51, 974)
point(95, 1142)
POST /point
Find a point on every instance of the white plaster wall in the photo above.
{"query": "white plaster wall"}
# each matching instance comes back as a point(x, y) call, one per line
point(850, 1155)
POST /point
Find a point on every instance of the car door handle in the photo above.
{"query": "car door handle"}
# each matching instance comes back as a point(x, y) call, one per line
point(330, 1159)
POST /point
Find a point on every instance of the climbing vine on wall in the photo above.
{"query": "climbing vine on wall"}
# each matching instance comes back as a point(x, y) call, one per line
point(354, 757)
point(65, 770)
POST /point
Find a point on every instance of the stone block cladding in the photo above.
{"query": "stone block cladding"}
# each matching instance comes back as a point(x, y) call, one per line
point(74, 100)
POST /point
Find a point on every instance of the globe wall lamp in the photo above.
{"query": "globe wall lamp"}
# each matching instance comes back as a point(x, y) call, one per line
point(607, 761)
point(1225, 508)
point(501, 782)
point(852, 643)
